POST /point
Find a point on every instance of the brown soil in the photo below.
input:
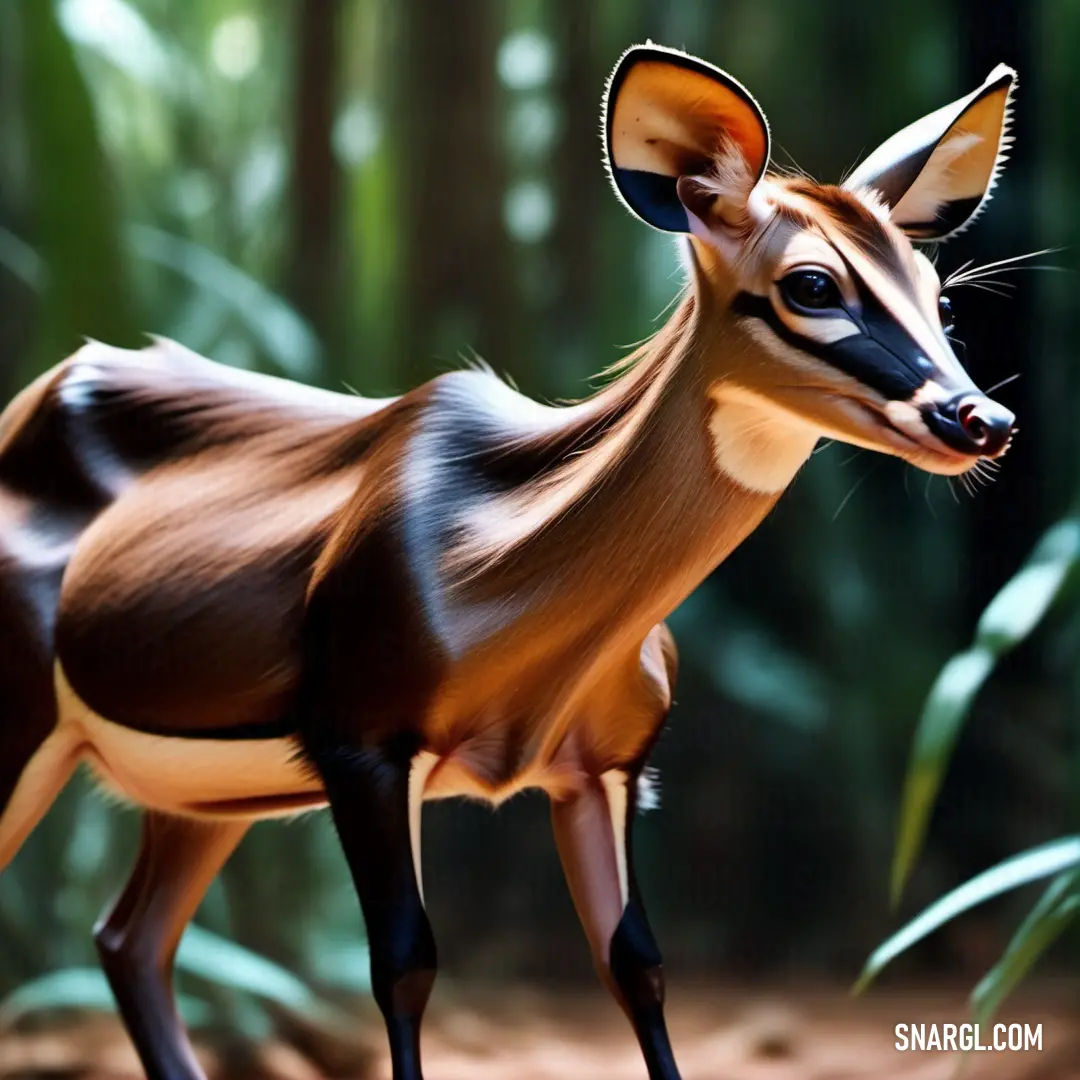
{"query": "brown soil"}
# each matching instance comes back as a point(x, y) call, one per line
point(792, 1034)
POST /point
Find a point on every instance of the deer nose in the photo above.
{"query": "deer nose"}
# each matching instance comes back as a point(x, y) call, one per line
point(972, 424)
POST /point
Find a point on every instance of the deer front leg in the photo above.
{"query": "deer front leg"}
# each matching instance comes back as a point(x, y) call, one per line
point(375, 796)
point(592, 832)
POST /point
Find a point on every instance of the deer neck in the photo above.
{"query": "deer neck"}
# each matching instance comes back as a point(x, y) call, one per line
point(673, 468)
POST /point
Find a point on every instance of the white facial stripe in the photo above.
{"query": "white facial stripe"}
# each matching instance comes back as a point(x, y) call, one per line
point(421, 768)
point(824, 331)
point(615, 790)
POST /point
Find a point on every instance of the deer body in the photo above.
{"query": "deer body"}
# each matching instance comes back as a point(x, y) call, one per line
point(235, 598)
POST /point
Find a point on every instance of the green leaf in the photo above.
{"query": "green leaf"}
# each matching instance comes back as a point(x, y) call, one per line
point(222, 961)
point(1020, 605)
point(935, 738)
point(1039, 862)
point(280, 332)
point(117, 31)
point(1047, 919)
point(77, 234)
point(219, 960)
point(81, 988)
point(22, 260)
point(201, 953)
point(1009, 618)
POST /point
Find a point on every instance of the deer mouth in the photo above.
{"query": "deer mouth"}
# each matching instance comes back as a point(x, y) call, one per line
point(901, 429)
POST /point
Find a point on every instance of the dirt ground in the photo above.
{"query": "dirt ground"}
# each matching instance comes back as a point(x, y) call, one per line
point(800, 1033)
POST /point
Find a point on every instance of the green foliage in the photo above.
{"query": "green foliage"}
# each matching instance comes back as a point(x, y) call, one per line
point(1010, 618)
point(86, 288)
point(277, 330)
point(1012, 615)
point(1044, 924)
point(227, 964)
point(208, 957)
point(84, 989)
point(1052, 858)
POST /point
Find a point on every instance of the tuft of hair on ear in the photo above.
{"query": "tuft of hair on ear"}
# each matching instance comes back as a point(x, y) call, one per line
point(727, 181)
point(873, 200)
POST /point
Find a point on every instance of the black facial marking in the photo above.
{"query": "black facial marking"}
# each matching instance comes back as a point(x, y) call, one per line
point(883, 356)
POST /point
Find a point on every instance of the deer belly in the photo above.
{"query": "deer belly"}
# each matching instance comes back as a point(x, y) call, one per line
point(191, 776)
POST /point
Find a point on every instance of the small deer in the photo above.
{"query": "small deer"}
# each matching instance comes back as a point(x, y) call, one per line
point(236, 598)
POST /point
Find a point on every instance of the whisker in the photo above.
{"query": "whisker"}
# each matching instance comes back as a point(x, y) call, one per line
point(957, 272)
point(963, 271)
point(983, 288)
point(981, 278)
point(1003, 382)
point(855, 487)
point(926, 496)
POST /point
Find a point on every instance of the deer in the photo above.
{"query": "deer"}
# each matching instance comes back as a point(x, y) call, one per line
point(234, 597)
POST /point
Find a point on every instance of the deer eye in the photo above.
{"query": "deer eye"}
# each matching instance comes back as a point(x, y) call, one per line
point(945, 310)
point(809, 290)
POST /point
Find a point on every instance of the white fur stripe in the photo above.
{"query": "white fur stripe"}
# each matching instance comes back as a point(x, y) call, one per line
point(615, 790)
point(421, 768)
point(824, 331)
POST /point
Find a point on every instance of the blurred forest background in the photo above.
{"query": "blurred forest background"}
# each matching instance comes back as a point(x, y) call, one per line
point(362, 193)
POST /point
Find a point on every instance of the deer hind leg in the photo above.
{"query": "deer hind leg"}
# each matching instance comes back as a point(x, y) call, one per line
point(36, 761)
point(37, 754)
point(137, 938)
point(28, 787)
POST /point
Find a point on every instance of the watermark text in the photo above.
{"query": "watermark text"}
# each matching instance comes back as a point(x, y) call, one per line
point(945, 1037)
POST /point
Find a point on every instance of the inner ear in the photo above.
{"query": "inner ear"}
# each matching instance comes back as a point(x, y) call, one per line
point(936, 174)
point(669, 115)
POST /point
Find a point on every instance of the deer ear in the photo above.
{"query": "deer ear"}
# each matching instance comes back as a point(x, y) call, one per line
point(936, 175)
point(668, 115)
